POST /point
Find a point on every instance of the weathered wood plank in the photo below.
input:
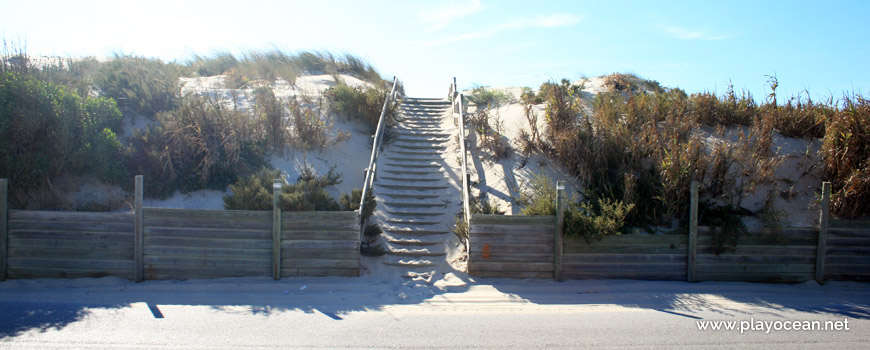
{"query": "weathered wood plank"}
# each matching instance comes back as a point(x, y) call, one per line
point(315, 216)
point(70, 216)
point(207, 233)
point(498, 248)
point(750, 277)
point(628, 267)
point(847, 242)
point(200, 271)
point(218, 262)
point(343, 225)
point(625, 258)
point(207, 252)
point(849, 233)
point(507, 266)
point(508, 239)
point(72, 263)
point(515, 257)
point(51, 272)
point(841, 259)
point(692, 249)
point(204, 214)
point(321, 235)
point(512, 274)
point(847, 251)
point(849, 224)
point(318, 272)
point(276, 229)
point(4, 228)
point(760, 230)
point(757, 268)
point(312, 244)
point(759, 250)
point(324, 263)
point(319, 254)
point(208, 242)
point(652, 276)
point(70, 226)
point(480, 219)
point(823, 232)
point(766, 240)
point(512, 230)
point(851, 268)
point(207, 224)
point(65, 253)
point(627, 249)
point(756, 259)
point(635, 239)
point(70, 244)
point(865, 277)
point(72, 235)
point(138, 227)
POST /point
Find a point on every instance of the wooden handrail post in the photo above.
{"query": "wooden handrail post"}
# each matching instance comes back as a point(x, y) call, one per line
point(4, 228)
point(376, 144)
point(560, 228)
point(823, 232)
point(276, 228)
point(139, 228)
point(693, 232)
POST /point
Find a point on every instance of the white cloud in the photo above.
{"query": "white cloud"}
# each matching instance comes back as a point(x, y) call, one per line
point(443, 16)
point(551, 21)
point(689, 34)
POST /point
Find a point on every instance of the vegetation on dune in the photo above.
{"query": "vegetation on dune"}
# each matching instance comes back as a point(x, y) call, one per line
point(357, 103)
point(308, 193)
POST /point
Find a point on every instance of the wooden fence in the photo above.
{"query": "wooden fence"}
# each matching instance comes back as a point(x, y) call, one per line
point(156, 243)
point(501, 245)
point(511, 246)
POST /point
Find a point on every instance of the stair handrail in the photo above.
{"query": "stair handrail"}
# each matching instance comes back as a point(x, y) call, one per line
point(376, 146)
point(460, 116)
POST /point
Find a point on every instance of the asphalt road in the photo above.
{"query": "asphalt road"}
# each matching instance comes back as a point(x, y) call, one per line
point(502, 314)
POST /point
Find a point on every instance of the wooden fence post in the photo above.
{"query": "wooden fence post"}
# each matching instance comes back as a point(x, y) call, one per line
point(823, 232)
point(4, 229)
point(276, 228)
point(560, 226)
point(693, 232)
point(138, 229)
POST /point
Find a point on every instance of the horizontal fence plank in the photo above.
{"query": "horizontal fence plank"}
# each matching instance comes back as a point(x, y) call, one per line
point(61, 235)
point(515, 257)
point(636, 239)
point(767, 240)
point(315, 216)
point(203, 214)
point(861, 277)
point(757, 268)
point(70, 244)
point(70, 216)
point(188, 232)
point(498, 248)
point(759, 230)
point(318, 272)
point(509, 266)
point(72, 263)
point(207, 252)
point(757, 259)
point(512, 230)
point(848, 268)
point(847, 251)
point(625, 258)
point(62, 272)
point(481, 219)
point(319, 254)
point(315, 226)
point(847, 259)
point(345, 235)
point(71, 226)
point(627, 267)
point(512, 274)
point(653, 275)
point(856, 233)
point(314, 244)
point(858, 224)
point(326, 263)
point(847, 242)
point(219, 262)
point(66, 253)
point(511, 239)
point(208, 242)
point(757, 250)
point(755, 277)
point(195, 271)
point(207, 224)
point(626, 249)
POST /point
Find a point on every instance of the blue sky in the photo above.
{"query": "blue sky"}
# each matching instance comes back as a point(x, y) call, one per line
point(821, 46)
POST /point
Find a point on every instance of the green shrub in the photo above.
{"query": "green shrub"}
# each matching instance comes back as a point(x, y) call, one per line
point(487, 98)
point(270, 111)
point(47, 131)
point(199, 145)
point(254, 192)
point(360, 104)
point(528, 97)
point(596, 218)
point(846, 153)
point(145, 86)
point(350, 202)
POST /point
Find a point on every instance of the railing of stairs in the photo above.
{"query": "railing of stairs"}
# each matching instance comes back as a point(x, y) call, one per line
point(371, 170)
point(459, 116)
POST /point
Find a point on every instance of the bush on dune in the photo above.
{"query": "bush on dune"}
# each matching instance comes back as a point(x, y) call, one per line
point(138, 84)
